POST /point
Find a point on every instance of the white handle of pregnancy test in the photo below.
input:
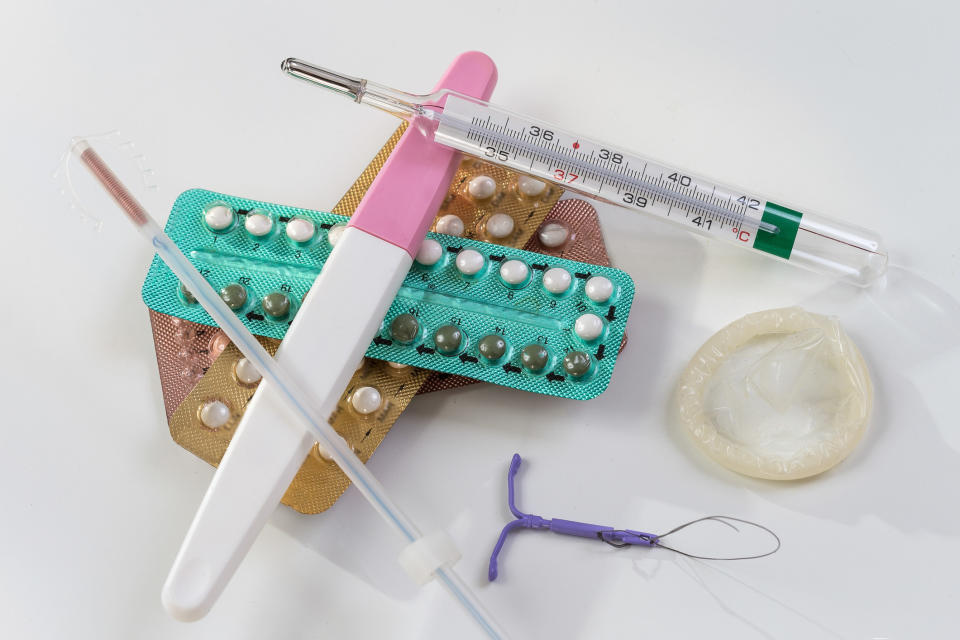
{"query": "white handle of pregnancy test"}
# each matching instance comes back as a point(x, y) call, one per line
point(322, 348)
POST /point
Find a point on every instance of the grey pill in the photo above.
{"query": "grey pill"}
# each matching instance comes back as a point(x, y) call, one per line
point(276, 304)
point(577, 363)
point(404, 328)
point(492, 347)
point(534, 357)
point(187, 296)
point(235, 295)
point(447, 339)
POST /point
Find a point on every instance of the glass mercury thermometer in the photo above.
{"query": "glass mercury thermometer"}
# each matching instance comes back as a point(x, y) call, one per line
point(611, 174)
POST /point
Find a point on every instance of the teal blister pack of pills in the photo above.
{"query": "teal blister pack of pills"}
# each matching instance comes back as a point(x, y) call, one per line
point(502, 315)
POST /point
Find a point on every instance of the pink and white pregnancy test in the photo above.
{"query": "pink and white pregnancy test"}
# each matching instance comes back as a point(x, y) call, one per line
point(364, 272)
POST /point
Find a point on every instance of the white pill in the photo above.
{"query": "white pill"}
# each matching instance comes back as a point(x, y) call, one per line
point(514, 272)
point(397, 365)
point(450, 224)
point(246, 373)
point(365, 400)
point(430, 252)
point(300, 229)
point(499, 225)
point(258, 224)
point(482, 187)
point(530, 186)
point(334, 233)
point(469, 262)
point(588, 326)
point(553, 234)
point(218, 217)
point(214, 414)
point(557, 280)
point(598, 289)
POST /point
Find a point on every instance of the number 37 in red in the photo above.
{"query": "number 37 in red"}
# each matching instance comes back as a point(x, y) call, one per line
point(564, 176)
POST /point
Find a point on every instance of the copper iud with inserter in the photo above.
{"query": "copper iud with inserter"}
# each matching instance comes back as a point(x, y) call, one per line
point(380, 244)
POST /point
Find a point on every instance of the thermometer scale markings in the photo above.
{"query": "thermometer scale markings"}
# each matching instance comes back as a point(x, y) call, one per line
point(583, 165)
point(503, 135)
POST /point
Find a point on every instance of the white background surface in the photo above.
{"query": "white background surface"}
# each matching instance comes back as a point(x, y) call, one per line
point(849, 109)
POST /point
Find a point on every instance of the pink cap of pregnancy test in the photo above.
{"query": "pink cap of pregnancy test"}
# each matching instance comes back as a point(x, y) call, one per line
point(404, 197)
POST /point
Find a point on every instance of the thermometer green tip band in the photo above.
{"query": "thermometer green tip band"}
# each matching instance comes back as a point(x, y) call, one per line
point(787, 222)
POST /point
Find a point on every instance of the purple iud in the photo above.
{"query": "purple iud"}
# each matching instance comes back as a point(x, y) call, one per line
point(614, 537)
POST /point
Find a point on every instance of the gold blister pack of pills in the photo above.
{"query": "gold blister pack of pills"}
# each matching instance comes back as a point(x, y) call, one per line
point(376, 396)
point(489, 203)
